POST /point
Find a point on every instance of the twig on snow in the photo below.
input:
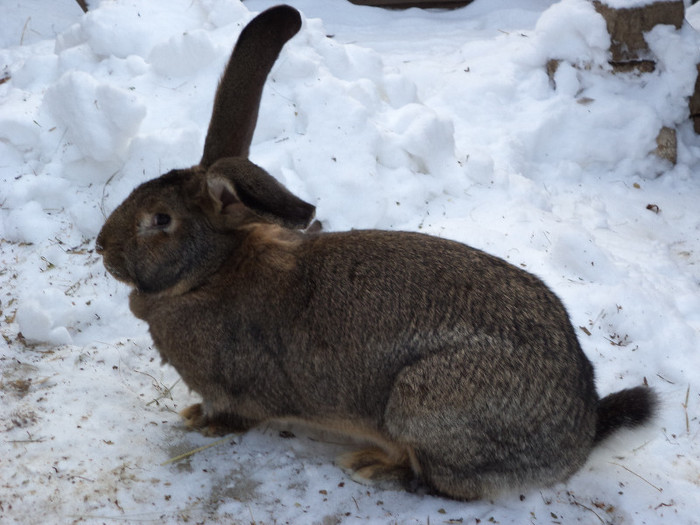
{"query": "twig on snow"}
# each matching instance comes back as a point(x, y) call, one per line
point(640, 477)
point(590, 509)
point(193, 452)
point(685, 407)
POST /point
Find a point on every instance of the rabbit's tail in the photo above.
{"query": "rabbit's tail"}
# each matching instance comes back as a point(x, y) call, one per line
point(626, 408)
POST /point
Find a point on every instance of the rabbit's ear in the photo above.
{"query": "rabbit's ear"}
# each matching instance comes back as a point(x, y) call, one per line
point(238, 95)
point(235, 181)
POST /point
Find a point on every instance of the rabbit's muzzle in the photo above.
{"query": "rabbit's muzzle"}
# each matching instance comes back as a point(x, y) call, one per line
point(112, 260)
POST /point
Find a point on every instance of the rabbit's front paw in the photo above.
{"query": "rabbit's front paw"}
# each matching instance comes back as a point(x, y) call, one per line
point(196, 418)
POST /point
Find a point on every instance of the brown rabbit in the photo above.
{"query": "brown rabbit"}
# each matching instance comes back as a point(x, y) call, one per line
point(462, 370)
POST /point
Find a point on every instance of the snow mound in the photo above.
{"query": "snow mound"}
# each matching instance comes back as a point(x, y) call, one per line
point(99, 119)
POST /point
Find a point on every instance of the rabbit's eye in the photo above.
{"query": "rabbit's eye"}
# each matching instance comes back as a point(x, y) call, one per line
point(160, 220)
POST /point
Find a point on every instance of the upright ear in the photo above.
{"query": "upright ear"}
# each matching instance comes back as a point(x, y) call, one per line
point(237, 180)
point(238, 95)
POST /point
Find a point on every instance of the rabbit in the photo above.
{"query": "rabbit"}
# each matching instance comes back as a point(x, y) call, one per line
point(461, 372)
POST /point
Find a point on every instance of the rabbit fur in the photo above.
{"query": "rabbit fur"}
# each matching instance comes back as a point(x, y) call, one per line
point(461, 370)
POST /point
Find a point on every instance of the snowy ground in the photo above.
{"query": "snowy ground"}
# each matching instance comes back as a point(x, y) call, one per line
point(443, 122)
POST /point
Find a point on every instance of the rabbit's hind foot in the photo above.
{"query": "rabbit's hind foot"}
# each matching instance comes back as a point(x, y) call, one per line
point(196, 418)
point(374, 464)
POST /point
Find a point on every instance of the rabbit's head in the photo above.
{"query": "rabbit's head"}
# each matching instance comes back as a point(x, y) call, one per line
point(174, 230)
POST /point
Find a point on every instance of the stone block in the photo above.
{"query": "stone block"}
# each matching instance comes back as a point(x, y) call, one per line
point(627, 25)
point(667, 144)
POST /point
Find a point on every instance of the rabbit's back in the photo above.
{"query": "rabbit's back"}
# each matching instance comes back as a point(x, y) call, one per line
point(405, 295)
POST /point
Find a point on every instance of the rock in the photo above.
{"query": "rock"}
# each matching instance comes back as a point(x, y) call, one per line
point(627, 26)
point(667, 145)
point(630, 51)
point(552, 66)
point(694, 103)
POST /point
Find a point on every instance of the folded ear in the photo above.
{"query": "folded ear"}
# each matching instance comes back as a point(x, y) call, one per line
point(234, 181)
point(238, 96)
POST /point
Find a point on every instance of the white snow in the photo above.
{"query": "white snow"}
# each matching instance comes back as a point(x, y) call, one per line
point(437, 121)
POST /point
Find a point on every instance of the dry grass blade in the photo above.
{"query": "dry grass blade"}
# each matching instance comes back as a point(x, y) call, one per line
point(24, 30)
point(166, 392)
point(685, 406)
point(640, 477)
point(589, 509)
point(193, 452)
point(104, 193)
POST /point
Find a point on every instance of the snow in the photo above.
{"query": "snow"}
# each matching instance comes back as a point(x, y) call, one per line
point(444, 122)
